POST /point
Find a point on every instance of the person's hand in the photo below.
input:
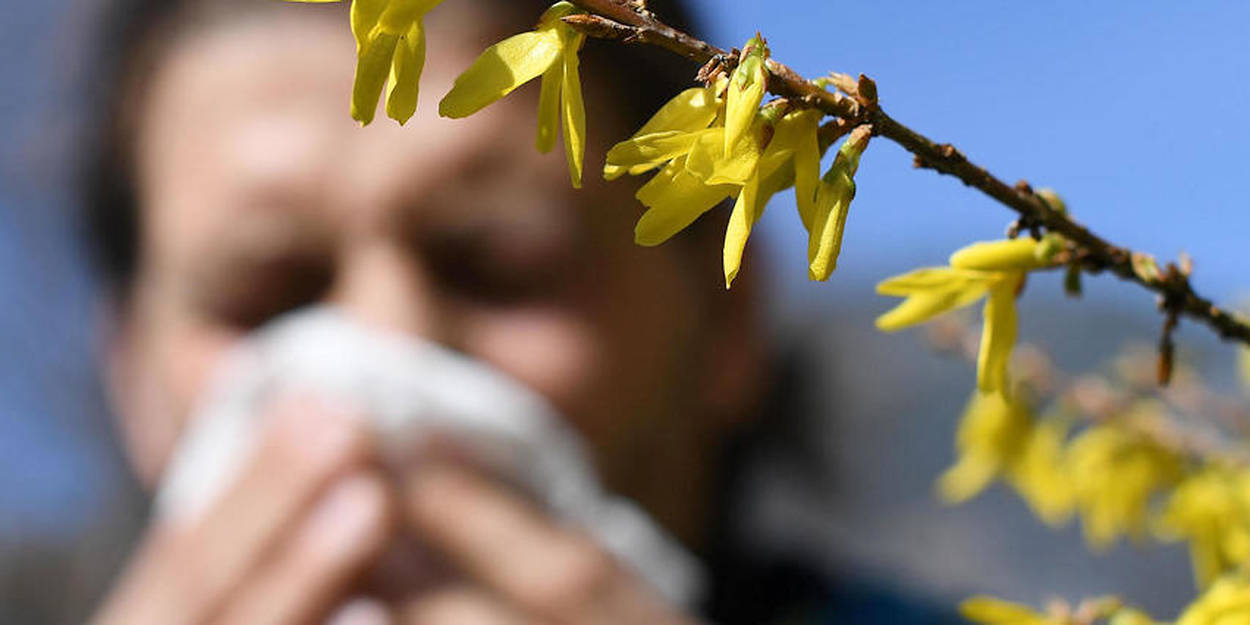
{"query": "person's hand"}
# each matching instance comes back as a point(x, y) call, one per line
point(515, 565)
point(282, 546)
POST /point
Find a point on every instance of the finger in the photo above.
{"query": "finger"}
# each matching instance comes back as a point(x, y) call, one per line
point(508, 546)
point(300, 450)
point(347, 528)
point(458, 606)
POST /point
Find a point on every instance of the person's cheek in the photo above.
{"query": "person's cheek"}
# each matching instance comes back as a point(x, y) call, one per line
point(194, 361)
point(156, 383)
point(552, 350)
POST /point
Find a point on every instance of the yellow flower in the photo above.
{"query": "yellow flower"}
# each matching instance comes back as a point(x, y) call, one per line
point(1039, 475)
point(991, 611)
point(1227, 602)
point(680, 132)
point(991, 435)
point(1212, 511)
point(998, 437)
point(746, 91)
point(698, 173)
point(994, 270)
point(677, 121)
point(792, 158)
point(549, 51)
point(825, 220)
point(1115, 473)
point(390, 47)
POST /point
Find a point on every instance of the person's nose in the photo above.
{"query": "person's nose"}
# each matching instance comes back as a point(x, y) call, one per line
point(383, 285)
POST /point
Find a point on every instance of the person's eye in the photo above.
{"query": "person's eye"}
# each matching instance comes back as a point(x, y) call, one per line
point(488, 271)
point(244, 291)
point(272, 289)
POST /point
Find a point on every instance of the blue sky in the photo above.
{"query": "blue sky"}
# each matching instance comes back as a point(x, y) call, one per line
point(1134, 111)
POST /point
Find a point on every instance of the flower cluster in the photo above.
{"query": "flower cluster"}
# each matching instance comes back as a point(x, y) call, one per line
point(721, 141)
point(1128, 471)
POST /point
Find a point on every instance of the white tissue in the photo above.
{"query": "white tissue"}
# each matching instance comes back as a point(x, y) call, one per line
point(410, 388)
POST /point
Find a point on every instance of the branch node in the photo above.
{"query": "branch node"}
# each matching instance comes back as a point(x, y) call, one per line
point(715, 67)
point(601, 27)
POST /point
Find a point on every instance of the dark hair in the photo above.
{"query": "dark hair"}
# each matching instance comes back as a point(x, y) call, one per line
point(135, 36)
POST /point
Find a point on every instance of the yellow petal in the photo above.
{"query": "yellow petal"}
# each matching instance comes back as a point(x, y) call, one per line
point(1226, 602)
point(690, 111)
point(646, 152)
point(928, 279)
point(549, 108)
point(1040, 475)
point(806, 147)
point(399, 15)
point(828, 213)
point(401, 100)
point(1006, 255)
point(998, 337)
point(373, 66)
point(1129, 616)
point(574, 109)
point(500, 69)
point(1116, 473)
point(966, 479)
point(364, 17)
point(674, 199)
point(991, 433)
point(924, 306)
point(991, 611)
point(778, 163)
point(612, 172)
point(746, 92)
point(833, 201)
point(745, 214)
point(556, 12)
point(1208, 510)
point(710, 163)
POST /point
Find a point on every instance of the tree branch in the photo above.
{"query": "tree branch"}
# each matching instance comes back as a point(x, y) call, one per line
point(630, 22)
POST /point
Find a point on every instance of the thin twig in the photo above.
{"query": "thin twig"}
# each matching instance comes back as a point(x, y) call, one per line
point(630, 22)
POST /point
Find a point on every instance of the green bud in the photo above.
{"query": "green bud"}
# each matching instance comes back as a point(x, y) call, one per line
point(1053, 200)
point(1072, 281)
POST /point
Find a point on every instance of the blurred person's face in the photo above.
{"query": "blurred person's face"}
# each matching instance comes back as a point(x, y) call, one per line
point(259, 195)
